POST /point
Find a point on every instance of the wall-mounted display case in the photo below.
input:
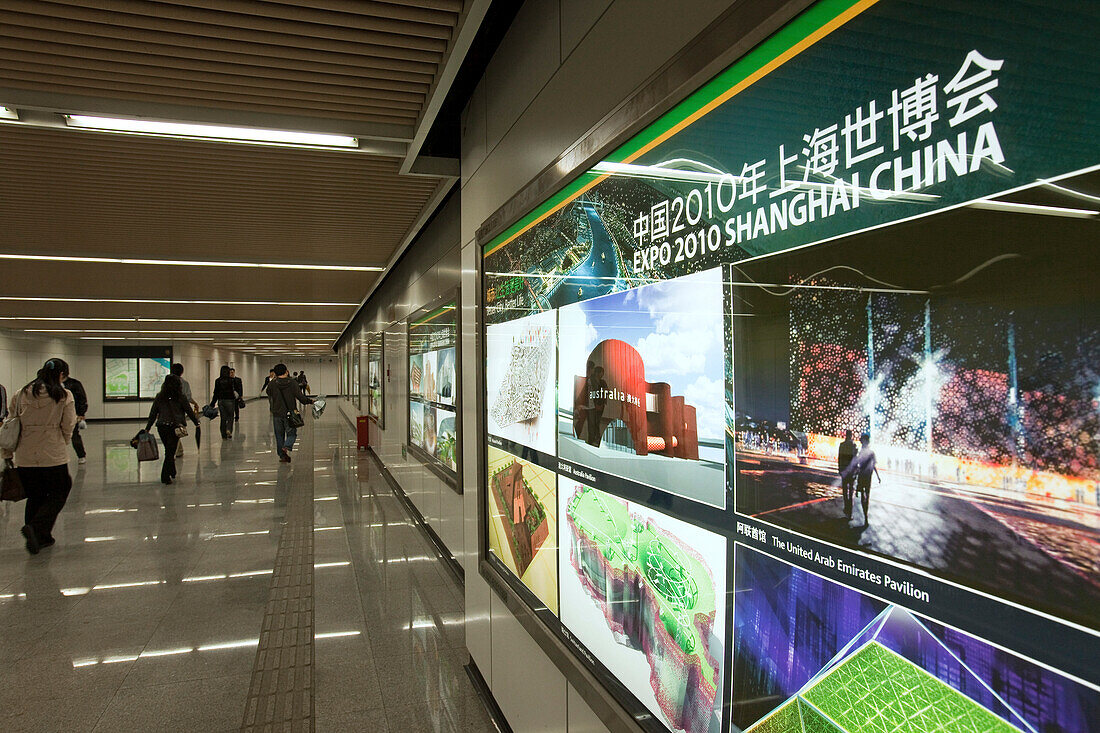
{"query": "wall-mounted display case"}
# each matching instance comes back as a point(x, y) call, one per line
point(793, 394)
point(375, 377)
point(434, 413)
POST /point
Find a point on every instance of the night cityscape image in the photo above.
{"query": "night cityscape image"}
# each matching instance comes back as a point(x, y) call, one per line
point(808, 650)
point(972, 374)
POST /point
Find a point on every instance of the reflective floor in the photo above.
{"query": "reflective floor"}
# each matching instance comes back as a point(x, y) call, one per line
point(146, 614)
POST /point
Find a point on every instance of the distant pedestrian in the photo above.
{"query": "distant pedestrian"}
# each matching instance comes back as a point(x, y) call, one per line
point(844, 458)
point(239, 386)
point(303, 382)
point(225, 395)
point(283, 396)
point(863, 465)
point(80, 398)
point(177, 369)
point(267, 381)
point(47, 414)
point(170, 411)
point(3, 404)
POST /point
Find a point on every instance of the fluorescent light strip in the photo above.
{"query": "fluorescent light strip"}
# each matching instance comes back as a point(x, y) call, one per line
point(77, 319)
point(140, 331)
point(1008, 206)
point(160, 301)
point(140, 338)
point(7, 113)
point(190, 263)
point(212, 132)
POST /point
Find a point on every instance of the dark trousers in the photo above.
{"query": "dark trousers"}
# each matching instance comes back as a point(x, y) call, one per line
point(285, 433)
point(849, 484)
point(78, 443)
point(170, 442)
point(225, 410)
point(47, 489)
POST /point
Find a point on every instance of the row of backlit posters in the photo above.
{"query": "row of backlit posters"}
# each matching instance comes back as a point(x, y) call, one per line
point(793, 402)
point(433, 417)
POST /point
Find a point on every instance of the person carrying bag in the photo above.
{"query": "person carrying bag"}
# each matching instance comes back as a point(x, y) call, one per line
point(284, 394)
point(44, 413)
point(170, 412)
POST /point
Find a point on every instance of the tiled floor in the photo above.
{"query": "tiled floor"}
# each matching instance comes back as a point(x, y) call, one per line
point(145, 615)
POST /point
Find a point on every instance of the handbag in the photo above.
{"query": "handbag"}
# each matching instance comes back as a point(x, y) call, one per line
point(11, 486)
point(181, 431)
point(241, 404)
point(12, 428)
point(210, 411)
point(295, 419)
point(147, 449)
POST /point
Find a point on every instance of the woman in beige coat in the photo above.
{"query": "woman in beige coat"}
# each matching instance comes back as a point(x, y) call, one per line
point(47, 414)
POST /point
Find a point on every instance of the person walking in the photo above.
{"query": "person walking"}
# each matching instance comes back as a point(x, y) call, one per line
point(844, 458)
point(283, 395)
point(863, 465)
point(170, 411)
point(80, 399)
point(225, 395)
point(185, 388)
point(47, 415)
point(3, 404)
point(267, 380)
point(303, 382)
point(239, 386)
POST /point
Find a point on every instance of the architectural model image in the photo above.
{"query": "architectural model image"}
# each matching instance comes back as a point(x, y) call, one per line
point(614, 388)
point(876, 689)
point(520, 395)
point(657, 596)
point(525, 518)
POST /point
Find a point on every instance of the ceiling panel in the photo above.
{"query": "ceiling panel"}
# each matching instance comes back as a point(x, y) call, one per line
point(365, 68)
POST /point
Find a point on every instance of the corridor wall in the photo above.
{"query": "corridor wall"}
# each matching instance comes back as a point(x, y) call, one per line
point(428, 269)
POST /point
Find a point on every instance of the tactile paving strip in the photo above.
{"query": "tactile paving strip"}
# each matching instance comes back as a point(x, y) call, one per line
point(280, 696)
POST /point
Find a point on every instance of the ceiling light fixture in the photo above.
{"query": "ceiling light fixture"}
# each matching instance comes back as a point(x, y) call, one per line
point(212, 132)
point(169, 331)
point(159, 301)
point(190, 263)
point(1015, 208)
point(7, 113)
point(77, 319)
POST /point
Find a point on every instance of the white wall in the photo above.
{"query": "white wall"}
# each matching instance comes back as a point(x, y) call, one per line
point(562, 67)
point(21, 356)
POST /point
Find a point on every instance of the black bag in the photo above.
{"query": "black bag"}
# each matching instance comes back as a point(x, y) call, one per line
point(295, 419)
point(210, 411)
point(241, 404)
point(11, 486)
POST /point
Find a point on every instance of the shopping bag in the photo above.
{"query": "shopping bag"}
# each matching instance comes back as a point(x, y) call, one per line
point(147, 449)
point(11, 487)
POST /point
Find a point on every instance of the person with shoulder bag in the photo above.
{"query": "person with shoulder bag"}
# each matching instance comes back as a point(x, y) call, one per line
point(44, 413)
point(170, 411)
point(225, 397)
point(284, 394)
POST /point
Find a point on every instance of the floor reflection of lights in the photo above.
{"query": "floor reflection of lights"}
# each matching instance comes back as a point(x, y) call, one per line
point(177, 651)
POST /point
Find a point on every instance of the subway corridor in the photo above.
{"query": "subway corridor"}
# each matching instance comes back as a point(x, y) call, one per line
point(248, 595)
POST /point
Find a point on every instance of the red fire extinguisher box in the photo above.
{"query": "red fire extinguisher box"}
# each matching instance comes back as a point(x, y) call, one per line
point(362, 431)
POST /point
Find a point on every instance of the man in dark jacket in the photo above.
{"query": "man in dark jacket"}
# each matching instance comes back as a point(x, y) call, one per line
point(284, 394)
point(81, 399)
point(844, 458)
point(238, 384)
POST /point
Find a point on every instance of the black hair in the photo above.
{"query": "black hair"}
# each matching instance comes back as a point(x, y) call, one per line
point(225, 370)
point(49, 379)
point(865, 438)
point(172, 389)
point(279, 369)
point(848, 434)
point(177, 369)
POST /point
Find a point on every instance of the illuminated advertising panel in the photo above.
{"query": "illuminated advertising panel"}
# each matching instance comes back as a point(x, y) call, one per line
point(433, 388)
point(826, 335)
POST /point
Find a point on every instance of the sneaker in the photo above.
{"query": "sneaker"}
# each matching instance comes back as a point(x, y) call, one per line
point(284, 457)
point(82, 460)
point(32, 539)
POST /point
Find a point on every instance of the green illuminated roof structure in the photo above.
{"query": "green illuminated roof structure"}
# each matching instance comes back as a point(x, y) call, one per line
point(876, 690)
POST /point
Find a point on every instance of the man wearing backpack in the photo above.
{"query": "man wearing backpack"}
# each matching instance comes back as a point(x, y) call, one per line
point(283, 395)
